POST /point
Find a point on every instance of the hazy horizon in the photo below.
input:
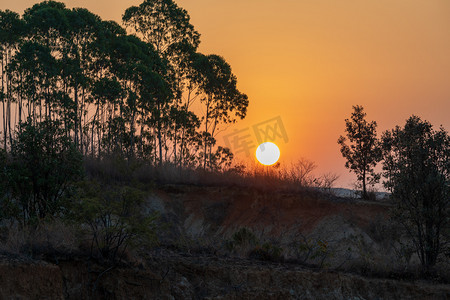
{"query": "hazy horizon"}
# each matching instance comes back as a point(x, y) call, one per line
point(308, 62)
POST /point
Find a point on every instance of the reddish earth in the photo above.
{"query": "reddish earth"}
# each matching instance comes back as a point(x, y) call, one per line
point(231, 208)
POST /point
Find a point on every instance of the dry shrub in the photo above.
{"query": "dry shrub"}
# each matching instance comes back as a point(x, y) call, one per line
point(242, 242)
point(200, 245)
point(297, 176)
point(53, 238)
point(383, 230)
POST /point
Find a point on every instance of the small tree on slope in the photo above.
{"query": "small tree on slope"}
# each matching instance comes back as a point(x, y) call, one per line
point(363, 151)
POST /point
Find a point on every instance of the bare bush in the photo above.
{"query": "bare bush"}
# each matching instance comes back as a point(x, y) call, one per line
point(49, 238)
point(115, 218)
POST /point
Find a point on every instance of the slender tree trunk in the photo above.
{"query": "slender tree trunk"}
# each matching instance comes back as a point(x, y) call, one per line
point(76, 115)
point(132, 129)
point(20, 99)
point(364, 184)
point(159, 125)
point(205, 148)
point(3, 104)
point(9, 92)
point(81, 119)
point(141, 146)
point(175, 144)
point(155, 148)
point(99, 134)
point(213, 130)
point(93, 130)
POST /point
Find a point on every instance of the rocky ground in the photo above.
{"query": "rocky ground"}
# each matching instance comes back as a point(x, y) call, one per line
point(173, 275)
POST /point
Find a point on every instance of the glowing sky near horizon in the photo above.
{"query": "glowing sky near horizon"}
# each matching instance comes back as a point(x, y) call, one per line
point(309, 61)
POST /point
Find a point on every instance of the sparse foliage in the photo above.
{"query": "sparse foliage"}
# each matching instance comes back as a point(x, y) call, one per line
point(363, 151)
point(301, 173)
point(115, 217)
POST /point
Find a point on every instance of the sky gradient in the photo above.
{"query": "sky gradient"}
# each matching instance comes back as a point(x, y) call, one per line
point(310, 61)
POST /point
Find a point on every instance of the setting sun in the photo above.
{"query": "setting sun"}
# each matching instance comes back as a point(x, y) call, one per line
point(267, 153)
point(163, 120)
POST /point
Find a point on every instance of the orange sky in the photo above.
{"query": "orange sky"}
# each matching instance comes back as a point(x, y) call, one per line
point(309, 61)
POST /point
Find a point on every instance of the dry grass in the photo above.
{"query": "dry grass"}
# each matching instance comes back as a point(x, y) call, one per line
point(46, 239)
point(297, 176)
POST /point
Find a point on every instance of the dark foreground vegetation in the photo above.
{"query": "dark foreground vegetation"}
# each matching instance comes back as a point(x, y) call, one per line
point(97, 124)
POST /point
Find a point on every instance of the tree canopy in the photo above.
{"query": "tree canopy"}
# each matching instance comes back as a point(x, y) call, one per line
point(417, 170)
point(115, 93)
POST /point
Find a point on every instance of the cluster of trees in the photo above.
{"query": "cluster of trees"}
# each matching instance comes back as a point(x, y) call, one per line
point(74, 86)
point(116, 93)
point(416, 169)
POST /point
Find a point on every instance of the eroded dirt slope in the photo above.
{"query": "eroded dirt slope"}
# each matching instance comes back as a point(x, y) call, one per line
point(178, 276)
point(200, 210)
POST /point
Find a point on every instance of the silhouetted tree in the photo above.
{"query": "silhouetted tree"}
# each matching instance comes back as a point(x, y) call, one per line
point(417, 168)
point(164, 25)
point(222, 101)
point(2, 172)
point(12, 30)
point(129, 95)
point(161, 23)
point(363, 151)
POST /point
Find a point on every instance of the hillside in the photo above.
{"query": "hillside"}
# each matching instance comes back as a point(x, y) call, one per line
point(231, 242)
point(175, 276)
point(222, 210)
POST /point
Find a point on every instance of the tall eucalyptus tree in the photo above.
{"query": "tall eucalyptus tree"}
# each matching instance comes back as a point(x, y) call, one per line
point(112, 92)
point(222, 101)
point(12, 29)
point(165, 25)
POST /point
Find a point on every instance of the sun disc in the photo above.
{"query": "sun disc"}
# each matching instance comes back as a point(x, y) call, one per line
point(267, 153)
